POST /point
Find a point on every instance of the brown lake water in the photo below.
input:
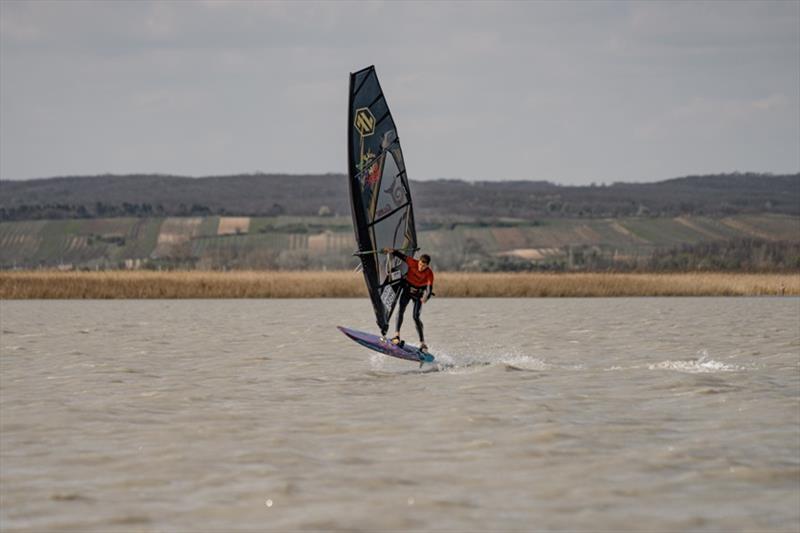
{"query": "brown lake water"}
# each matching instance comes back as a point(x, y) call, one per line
point(654, 414)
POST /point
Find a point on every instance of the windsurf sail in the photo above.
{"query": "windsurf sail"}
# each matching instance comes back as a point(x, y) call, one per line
point(380, 199)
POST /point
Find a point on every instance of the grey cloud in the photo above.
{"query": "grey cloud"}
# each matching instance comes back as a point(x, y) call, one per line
point(567, 91)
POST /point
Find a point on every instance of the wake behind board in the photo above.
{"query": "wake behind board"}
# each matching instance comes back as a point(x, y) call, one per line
point(373, 342)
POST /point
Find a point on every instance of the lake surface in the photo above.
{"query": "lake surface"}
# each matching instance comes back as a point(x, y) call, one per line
point(581, 414)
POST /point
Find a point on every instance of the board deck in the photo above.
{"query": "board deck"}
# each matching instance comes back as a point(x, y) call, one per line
point(409, 352)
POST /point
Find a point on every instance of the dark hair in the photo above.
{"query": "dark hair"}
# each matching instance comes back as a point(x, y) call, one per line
point(425, 258)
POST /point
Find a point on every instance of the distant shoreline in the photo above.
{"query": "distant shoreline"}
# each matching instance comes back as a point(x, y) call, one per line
point(21, 285)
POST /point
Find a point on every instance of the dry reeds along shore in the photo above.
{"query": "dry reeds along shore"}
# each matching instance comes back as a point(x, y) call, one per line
point(345, 284)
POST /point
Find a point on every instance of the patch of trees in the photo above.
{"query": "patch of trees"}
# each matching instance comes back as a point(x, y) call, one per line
point(54, 211)
point(100, 210)
point(738, 255)
point(741, 255)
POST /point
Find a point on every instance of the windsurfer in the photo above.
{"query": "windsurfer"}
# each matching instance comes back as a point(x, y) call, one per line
point(417, 287)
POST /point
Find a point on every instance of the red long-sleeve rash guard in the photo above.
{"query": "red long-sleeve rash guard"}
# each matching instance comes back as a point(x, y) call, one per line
point(417, 278)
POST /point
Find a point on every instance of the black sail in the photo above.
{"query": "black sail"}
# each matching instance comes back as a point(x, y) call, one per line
point(380, 198)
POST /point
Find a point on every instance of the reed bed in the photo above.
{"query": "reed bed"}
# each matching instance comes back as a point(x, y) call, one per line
point(345, 284)
point(614, 284)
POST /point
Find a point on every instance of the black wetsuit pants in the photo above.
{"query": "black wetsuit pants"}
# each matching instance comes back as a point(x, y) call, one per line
point(404, 299)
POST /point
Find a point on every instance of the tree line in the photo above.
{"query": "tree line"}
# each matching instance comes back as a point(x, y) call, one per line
point(308, 195)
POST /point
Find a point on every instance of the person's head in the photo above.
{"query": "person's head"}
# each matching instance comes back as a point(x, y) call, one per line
point(424, 262)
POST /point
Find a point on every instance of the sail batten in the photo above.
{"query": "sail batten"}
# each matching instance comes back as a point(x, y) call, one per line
point(387, 215)
point(380, 198)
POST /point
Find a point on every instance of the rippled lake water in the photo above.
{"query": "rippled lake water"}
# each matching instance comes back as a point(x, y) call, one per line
point(579, 414)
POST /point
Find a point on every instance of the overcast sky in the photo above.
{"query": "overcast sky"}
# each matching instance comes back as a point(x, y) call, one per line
point(571, 92)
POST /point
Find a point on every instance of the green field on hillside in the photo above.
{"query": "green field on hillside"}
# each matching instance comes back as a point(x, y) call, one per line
point(292, 242)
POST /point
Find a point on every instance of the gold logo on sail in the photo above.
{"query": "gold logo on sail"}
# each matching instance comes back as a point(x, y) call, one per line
point(365, 122)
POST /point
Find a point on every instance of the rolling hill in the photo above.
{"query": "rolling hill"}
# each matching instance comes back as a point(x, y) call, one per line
point(263, 195)
point(738, 221)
